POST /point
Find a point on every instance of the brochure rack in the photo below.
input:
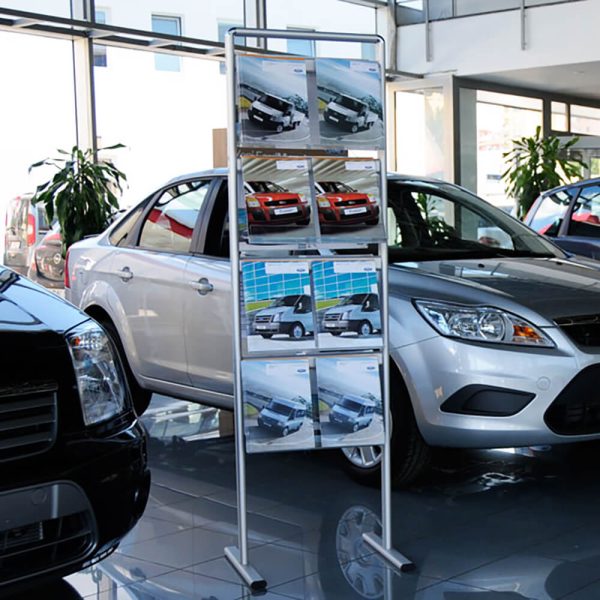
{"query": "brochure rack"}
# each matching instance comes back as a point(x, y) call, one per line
point(289, 120)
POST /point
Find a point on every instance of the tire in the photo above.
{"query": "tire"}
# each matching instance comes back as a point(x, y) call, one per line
point(296, 331)
point(355, 428)
point(364, 329)
point(409, 451)
point(336, 333)
point(279, 128)
point(285, 431)
point(267, 336)
point(139, 396)
point(372, 221)
point(354, 128)
point(304, 222)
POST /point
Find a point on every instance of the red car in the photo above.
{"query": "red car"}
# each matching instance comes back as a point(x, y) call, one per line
point(340, 205)
point(269, 205)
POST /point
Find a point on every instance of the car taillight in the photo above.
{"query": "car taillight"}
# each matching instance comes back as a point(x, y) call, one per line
point(67, 281)
point(30, 230)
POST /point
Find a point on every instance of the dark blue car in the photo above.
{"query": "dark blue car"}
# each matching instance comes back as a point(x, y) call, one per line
point(570, 216)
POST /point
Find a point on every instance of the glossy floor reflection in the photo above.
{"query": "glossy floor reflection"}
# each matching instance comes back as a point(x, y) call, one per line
point(482, 525)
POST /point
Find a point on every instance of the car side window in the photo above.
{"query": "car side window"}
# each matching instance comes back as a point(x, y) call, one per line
point(550, 213)
point(120, 234)
point(585, 218)
point(169, 226)
point(217, 232)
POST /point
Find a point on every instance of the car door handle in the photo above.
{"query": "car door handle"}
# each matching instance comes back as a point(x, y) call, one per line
point(203, 286)
point(125, 274)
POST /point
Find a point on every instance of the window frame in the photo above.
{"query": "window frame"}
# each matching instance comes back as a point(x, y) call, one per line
point(565, 229)
point(173, 18)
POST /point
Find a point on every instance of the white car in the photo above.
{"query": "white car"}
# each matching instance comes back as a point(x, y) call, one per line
point(494, 331)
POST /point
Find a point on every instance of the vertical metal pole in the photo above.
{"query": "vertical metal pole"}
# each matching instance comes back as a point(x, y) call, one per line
point(523, 38)
point(237, 556)
point(428, 56)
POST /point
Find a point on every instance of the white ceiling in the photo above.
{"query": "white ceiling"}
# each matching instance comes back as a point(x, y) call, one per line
point(580, 79)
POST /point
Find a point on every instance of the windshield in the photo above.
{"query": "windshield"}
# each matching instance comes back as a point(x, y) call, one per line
point(285, 301)
point(265, 186)
point(439, 221)
point(350, 103)
point(276, 103)
point(354, 299)
point(280, 409)
point(351, 405)
point(336, 187)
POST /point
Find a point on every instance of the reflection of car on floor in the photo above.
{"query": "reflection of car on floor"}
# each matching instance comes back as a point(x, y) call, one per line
point(358, 313)
point(73, 473)
point(340, 205)
point(273, 112)
point(352, 412)
point(490, 346)
point(290, 315)
point(351, 114)
point(282, 415)
point(268, 204)
point(570, 216)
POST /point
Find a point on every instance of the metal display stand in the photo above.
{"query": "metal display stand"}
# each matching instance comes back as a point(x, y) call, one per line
point(238, 556)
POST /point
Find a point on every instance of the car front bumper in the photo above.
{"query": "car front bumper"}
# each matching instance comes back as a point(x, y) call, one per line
point(439, 368)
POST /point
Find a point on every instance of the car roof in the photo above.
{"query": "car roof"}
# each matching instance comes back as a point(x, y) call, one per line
point(360, 399)
point(223, 172)
point(286, 402)
point(576, 184)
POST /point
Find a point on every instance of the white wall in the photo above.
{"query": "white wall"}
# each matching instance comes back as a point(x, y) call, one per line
point(556, 34)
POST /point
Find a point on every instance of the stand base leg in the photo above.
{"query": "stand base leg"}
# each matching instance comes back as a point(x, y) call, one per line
point(395, 559)
point(252, 579)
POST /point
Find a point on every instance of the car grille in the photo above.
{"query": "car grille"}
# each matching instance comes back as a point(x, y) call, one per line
point(584, 331)
point(56, 528)
point(576, 410)
point(356, 202)
point(27, 419)
point(333, 317)
point(281, 202)
point(263, 318)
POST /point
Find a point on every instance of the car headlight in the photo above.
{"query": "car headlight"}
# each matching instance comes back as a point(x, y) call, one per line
point(323, 203)
point(99, 377)
point(277, 317)
point(346, 315)
point(252, 202)
point(482, 324)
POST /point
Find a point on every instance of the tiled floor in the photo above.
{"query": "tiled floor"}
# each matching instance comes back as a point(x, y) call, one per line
point(481, 525)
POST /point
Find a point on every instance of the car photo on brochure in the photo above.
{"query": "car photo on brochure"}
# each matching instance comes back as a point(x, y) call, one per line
point(277, 307)
point(273, 101)
point(347, 304)
point(277, 400)
point(350, 103)
point(348, 194)
point(350, 401)
point(277, 200)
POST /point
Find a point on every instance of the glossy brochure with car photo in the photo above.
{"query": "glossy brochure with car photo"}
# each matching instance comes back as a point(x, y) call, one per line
point(350, 403)
point(277, 401)
point(272, 102)
point(277, 199)
point(348, 199)
point(277, 311)
point(350, 103)
point(347, 304)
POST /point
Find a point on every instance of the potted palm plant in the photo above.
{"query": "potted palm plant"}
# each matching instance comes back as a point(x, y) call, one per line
point(536, 164)
point(82, 194)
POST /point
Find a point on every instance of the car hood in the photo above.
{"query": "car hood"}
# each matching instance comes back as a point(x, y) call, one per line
point(267, 197)
point(345, 197)
point(271, 311)
point(265, 412)
point(343, 411)
point(26, 306)
point(342, 109)
point(267, 109)
point(546, 287)
point(338, 310)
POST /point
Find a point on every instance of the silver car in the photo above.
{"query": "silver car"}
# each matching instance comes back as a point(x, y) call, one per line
point(494, 331)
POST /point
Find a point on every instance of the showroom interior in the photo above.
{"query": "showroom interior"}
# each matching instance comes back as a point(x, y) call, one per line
point(487, 352)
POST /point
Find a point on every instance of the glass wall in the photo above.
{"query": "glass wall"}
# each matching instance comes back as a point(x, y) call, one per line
point(164, 117)
point(421, 135)
point(56, 8)
point(38, 109)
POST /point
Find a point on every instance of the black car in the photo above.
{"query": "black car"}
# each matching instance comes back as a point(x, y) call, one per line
point(570, 215)
point(73, 467)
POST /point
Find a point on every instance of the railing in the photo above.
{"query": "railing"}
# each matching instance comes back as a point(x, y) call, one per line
point(410, 12)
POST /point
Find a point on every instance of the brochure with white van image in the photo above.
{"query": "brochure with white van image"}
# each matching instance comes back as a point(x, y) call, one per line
point(347, 304)
point(277, 401)
point(277, 310)
point(350, 103)
point(272, 102)
point(348, 198)
point(350, 401)
point(277, 200)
